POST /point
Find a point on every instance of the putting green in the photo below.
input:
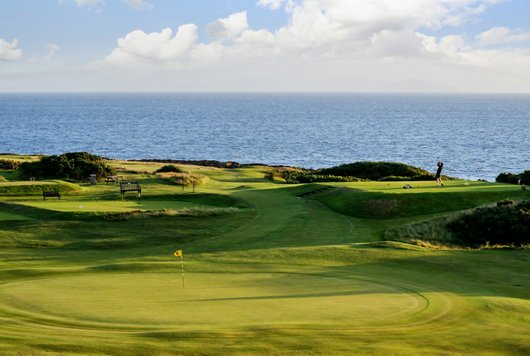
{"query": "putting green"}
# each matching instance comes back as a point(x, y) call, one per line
point(209, 300)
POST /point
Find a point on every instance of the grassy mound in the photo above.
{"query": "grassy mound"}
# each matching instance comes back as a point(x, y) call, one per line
point(407, 203)
point(36, 188)
point(352, 172)
point(171, 168)
point(378, 171)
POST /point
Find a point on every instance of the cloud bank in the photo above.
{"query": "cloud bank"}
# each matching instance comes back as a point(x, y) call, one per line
point(332, 30)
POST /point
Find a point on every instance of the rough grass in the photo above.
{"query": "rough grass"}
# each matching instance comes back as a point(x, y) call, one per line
point(430, 234)
point(195, 212)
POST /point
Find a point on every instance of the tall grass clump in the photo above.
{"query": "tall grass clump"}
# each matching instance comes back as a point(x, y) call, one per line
point(184, 179)
point(298, 175)
point(188, 212)
point(432, 234)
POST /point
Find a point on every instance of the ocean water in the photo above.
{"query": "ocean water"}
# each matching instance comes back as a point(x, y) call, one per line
point(477, 136)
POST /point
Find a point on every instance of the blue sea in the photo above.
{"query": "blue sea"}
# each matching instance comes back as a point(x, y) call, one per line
point(476, 136)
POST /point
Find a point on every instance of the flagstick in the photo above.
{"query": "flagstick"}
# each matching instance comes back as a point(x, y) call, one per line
point(182, 264)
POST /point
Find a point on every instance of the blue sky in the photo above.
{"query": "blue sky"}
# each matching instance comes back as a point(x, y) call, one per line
point(485, 42)
point(89, 32)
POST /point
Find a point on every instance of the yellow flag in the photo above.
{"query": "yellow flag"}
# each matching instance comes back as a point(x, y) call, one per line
point(178, 253)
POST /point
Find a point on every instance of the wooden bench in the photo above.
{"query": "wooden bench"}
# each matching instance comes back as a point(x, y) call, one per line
point(50, 194)
point(114, 179)
point(130, 187)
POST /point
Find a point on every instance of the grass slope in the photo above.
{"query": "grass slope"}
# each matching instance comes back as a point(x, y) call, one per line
point(273, 273)
point(390, 200)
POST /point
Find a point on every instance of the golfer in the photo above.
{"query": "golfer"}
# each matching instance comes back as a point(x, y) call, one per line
point(439, 174)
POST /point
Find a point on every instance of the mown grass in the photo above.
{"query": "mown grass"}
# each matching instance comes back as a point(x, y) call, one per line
point(266, 271)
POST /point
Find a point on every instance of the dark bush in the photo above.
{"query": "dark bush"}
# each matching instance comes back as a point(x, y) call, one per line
point(72, 166)
point(525, 177)
point(9, 164)
point(170, 168)
point(508, 178)
point(378, 171)
point(507, 223)
point(511, 178)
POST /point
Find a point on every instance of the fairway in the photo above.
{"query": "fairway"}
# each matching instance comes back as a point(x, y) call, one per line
point(269, 268)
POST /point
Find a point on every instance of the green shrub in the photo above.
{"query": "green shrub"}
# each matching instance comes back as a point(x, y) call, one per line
point(507, 223)
point(511, 178)
point(9, 164)
point(170, 168)
point(378, 171)
point(72, 166)
point(525, 177)
point(508, 178)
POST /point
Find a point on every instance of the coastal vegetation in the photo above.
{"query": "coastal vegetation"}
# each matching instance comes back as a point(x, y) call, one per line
point(513, 178)
point(352, 172)
point(7, 164)
point(506, 224)
point(362, 267)
point(74, 166)
point(381, 171)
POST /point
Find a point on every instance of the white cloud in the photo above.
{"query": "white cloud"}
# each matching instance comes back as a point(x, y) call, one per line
point(9, 51)
point(321, 33)
point(140, 48)
point(502, 36)
point(52, 51)
point(319, 29)
point(229, 27)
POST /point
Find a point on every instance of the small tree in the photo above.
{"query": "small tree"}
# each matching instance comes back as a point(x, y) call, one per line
point(190, 179)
